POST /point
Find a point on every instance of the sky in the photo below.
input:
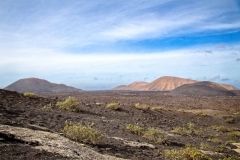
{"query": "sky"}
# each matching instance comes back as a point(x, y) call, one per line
point(100, 44)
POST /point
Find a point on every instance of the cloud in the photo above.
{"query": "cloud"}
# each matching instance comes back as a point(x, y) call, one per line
point(95, 78)
point(215, 78)
point(234, 53)
point(225, 79)
point(220, 46)
point(76, 25)
point(208, 51)
point(145, 78)
point(238, 59)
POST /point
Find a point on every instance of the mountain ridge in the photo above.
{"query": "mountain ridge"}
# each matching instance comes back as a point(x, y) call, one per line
point(165, 83)
point(39, 85)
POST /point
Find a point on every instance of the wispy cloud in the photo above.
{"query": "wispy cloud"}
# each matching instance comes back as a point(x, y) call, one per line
point(215, 78)
point(225, 79)
point(79, 24)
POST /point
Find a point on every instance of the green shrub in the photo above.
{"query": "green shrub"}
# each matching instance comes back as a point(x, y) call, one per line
point(29, 94)
point(206, 147)
point(113, 106)
point(48, 107)
point(156, 108)
point(189, 153)
point(134, 128)
point(155, 135)
point(85, 134)
point(189, 130)
point(230, 120)
point(183, 130)
point(216, 140)
point(220, 128)
point(141, 106)
point(235, 134)
point(70, 104)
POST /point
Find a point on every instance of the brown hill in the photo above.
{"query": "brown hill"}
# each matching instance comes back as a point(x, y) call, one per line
point(165, 83)
point(228, 87)
point(204, 88)
point(135, 86)
point(39, 85)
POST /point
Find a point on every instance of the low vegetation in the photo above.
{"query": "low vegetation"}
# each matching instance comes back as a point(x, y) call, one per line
point(70, 104)
point(234, 134)
point(230, 120)
point(135, 129)
point(152, 134)
point(189, 130)
point(157, 108)
point(29, 94)
point(220, 128)
point(141, 106)
point(189, 153)
point(48, 107)
point(113, 106)
point(155, 135)
point(80, 133)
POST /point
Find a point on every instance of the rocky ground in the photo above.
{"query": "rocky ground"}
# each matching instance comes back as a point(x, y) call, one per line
point(27, 131)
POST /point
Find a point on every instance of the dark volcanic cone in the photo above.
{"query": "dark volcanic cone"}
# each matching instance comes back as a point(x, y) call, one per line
point(39, 85)
point(202, 89)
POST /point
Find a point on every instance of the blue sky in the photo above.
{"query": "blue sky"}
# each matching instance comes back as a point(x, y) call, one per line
point(100, 44)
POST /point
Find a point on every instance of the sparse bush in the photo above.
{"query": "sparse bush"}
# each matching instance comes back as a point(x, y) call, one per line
point(134, 128)
point(229, 142)
point(189, 153)
point(152, 134)
point(181, 110)
point(220, 128)
point(29, 94)
point(230, 120)
point(156, 108)
point(180, 130)
point(235, 134)
point(155, 135)
point(205, 147)
point(183, 130)
point(48, 107)
point(85, 134)
point(142, 106)
point(221, 148)
point(113, 106)
point(189, 130)
point(216, 140)
point(70, 104)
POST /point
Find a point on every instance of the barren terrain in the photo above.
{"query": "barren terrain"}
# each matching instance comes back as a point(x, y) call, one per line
point(27, 131)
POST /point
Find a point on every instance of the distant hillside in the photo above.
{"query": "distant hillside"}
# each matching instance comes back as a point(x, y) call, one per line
point(39, 85)
point(165, 83)
point(135, 86)
point(202, 89)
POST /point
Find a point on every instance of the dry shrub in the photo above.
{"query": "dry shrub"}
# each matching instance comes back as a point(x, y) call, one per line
point(135, 129)
point(189, 153)
point(155, 135)
point(70, 104)
point(141, 106)
point(80, 133)
point(48, 107)
point(113, 106)
point(29, 94)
